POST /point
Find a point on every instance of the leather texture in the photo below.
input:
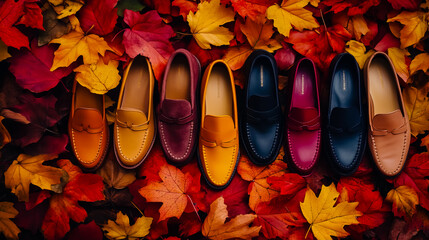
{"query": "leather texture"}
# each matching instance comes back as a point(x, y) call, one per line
point(261, 126)
point(87, 126)
point(178, 111)
point(135, 126)
point(346, 125)
point(303, 130)
point(218, 147)
point(389, 129)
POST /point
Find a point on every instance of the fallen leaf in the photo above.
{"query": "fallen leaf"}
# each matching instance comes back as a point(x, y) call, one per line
point(353, 7)
point(161, 6)
point(417, 104)
point(65, 8)
point(425, 142)
point(48, 144)
point(205, 56)
point(356, 25)
point(98, 17)
point(252, 9)
point(86, 231)
point(215, 228)
point(10, 12)
point(259, 189)
point(133, 5)
point(7, 227)
point(121, 229)
point(37, 63)
point(205, 24)
point(32, 17)
point(358, 50)
point(326, 220)
point(172, 192)
point(54, 27)
point(415, 26)
point(152, 165)
point(29, 169)
point(99, 78)
point(259, 37)
point(288, 183)
point(185, 6)
point(189, 224)
point(399, 59)
point(4, 134)
point(75, 44)
point(420, 62)
point(407, 4)
point(388, 41)
point(291, 13)
point(85, 187)
point(115, 176)
point(404, 201)
point(4, 54)
point(149, 37)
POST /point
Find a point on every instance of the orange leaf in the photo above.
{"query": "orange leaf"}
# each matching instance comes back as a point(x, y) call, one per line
point(172, 191)
point(215, 228)
point(4, 134)
point(404, 200)
point(400, 61)
point(259, 189)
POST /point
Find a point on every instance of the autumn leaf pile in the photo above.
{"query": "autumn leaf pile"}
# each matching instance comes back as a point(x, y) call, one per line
point(45, 45)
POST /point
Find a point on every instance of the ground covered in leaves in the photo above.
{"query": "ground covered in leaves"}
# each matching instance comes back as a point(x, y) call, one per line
point(45, 45)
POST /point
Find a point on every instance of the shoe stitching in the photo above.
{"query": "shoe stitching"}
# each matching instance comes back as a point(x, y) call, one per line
point(355, 158)
point(208, 171)
point(168, 148)
point(400, 165)
point(77, 154)
point(252, 145)
point(140, 149)
point(314, 157)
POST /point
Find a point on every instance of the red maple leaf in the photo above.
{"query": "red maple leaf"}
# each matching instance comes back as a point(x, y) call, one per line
point(10, 13)
point(205, 56)
point(32, 15)
point(149, 37)
point(162, 6)
point(63, 207)
point(251, 8)
point(184, 6)
point(288, 184)
point(353, 7)
point(407, 4)
point(99, 16)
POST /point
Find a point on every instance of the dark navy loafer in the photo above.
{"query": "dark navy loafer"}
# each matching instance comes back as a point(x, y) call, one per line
point(261, 126)
point(346, 124)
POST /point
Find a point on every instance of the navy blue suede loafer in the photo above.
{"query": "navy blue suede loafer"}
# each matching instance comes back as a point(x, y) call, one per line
point(346, 124)
point(261, 126)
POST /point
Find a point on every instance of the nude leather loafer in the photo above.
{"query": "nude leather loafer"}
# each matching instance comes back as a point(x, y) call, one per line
point(135, 127)
point(346, 124)
point(303, 131)
point(177, 109)
point(218, 147)
point(261, 125)
point(389, 128)
point(88, 130)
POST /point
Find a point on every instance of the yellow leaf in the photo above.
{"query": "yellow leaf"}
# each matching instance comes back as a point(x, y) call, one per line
point(404, 200)
point(420, 62)
point(205, 24)
point(314, 3)
point(4, 134)
point(425, 142)
point(4, 54)
point(326, 220)
point(398, 56)
point(7, 227)
point(415, 26)
point(65, 8)
point(121, 229)
point(115, 176)
point(291, 12)
point(98, 78)
point(29, 169)
point(215, 228)
point(357, 49)
point(75, 44)
point(258, 35)
point(417, 104)
point(358, 26)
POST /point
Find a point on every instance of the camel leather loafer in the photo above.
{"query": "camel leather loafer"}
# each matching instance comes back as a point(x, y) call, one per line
point(389, 128)
point(303, 129)
point(135, 127)
point(177, 110)
point(88, 130)
point(346, 125)
point(218, 147)
point(261, 125)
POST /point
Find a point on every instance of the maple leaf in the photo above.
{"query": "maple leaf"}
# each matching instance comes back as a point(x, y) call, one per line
point(148, 36)
point(388, 41)
point(215, 228)
point(152, 165)
point(32, 15)
point(416, 102)
point(205, 56)
point(259, 189)
point(404, 200)
point(99, 78)
point(7, 227)
point(121, 229)
point(252, 9)
point(205, 24)
point(4, 54)
point(358, 50)
point(415, 26)
point(420, 62)
point(10, 13)
point(258, 35)
point(28, 169)
point(115, 176)
point(98, 17)
point(288, 183)
point(65, 8)
point(190, 224)
point(356, 25)
point(172, 192)
point(185, 6)
point(75, 44)
point(84, 187)
point(400, 59)
point(86, 231)
point(4, 134)
point(326, 220)
point(37, 63)
point(425, 142)
point(407, 4)
point(353, 7)
point(54, 28)
point(291, 12)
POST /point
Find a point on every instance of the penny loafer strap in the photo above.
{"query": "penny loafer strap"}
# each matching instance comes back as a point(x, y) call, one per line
point(270, 116)
point(212, 139)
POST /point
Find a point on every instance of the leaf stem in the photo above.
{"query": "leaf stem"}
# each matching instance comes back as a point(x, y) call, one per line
point(196, 211)
point(323, 19)
point(137, 208)
point(185, 34)
point(308, 231)
point(89, 29)
point(117, 35)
